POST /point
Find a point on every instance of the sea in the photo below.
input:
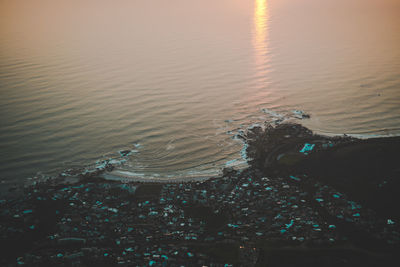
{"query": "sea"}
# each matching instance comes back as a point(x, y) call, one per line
point(164, 89)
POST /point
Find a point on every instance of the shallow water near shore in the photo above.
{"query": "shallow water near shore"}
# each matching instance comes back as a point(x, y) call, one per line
point(175, 82)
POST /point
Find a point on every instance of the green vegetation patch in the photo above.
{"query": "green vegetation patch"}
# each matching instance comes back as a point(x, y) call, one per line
point(290, 159)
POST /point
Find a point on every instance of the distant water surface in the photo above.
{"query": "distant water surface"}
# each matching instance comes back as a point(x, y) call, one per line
point(174, 81)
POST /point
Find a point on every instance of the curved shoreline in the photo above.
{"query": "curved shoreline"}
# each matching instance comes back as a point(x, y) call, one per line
point(116, 175)
point(284, 203)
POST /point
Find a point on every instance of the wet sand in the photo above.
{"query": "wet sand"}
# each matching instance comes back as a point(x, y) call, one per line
point(122, 176)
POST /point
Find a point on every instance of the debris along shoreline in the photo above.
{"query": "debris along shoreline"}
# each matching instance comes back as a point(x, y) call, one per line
point(305, 200)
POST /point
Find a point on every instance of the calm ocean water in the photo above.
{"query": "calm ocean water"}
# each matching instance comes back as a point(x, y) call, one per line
point(174, 81)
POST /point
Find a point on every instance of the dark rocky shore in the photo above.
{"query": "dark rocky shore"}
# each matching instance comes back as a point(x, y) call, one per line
point(305, 200)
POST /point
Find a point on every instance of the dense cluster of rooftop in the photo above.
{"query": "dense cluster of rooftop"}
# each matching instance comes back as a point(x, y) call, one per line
point(235, 219)
point(180, 223)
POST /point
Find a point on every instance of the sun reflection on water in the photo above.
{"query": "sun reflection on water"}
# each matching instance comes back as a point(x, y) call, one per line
point(260, 37)
point(260, 91)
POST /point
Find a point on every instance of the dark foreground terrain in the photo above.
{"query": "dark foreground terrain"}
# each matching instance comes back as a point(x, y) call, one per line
point(306, 200)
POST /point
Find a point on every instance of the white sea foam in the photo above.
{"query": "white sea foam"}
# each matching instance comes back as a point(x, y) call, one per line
point(231, 163)
point(272, 113)
point(123, 175)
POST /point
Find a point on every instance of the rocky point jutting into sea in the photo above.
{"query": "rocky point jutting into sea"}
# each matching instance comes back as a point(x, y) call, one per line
point(305, 200)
